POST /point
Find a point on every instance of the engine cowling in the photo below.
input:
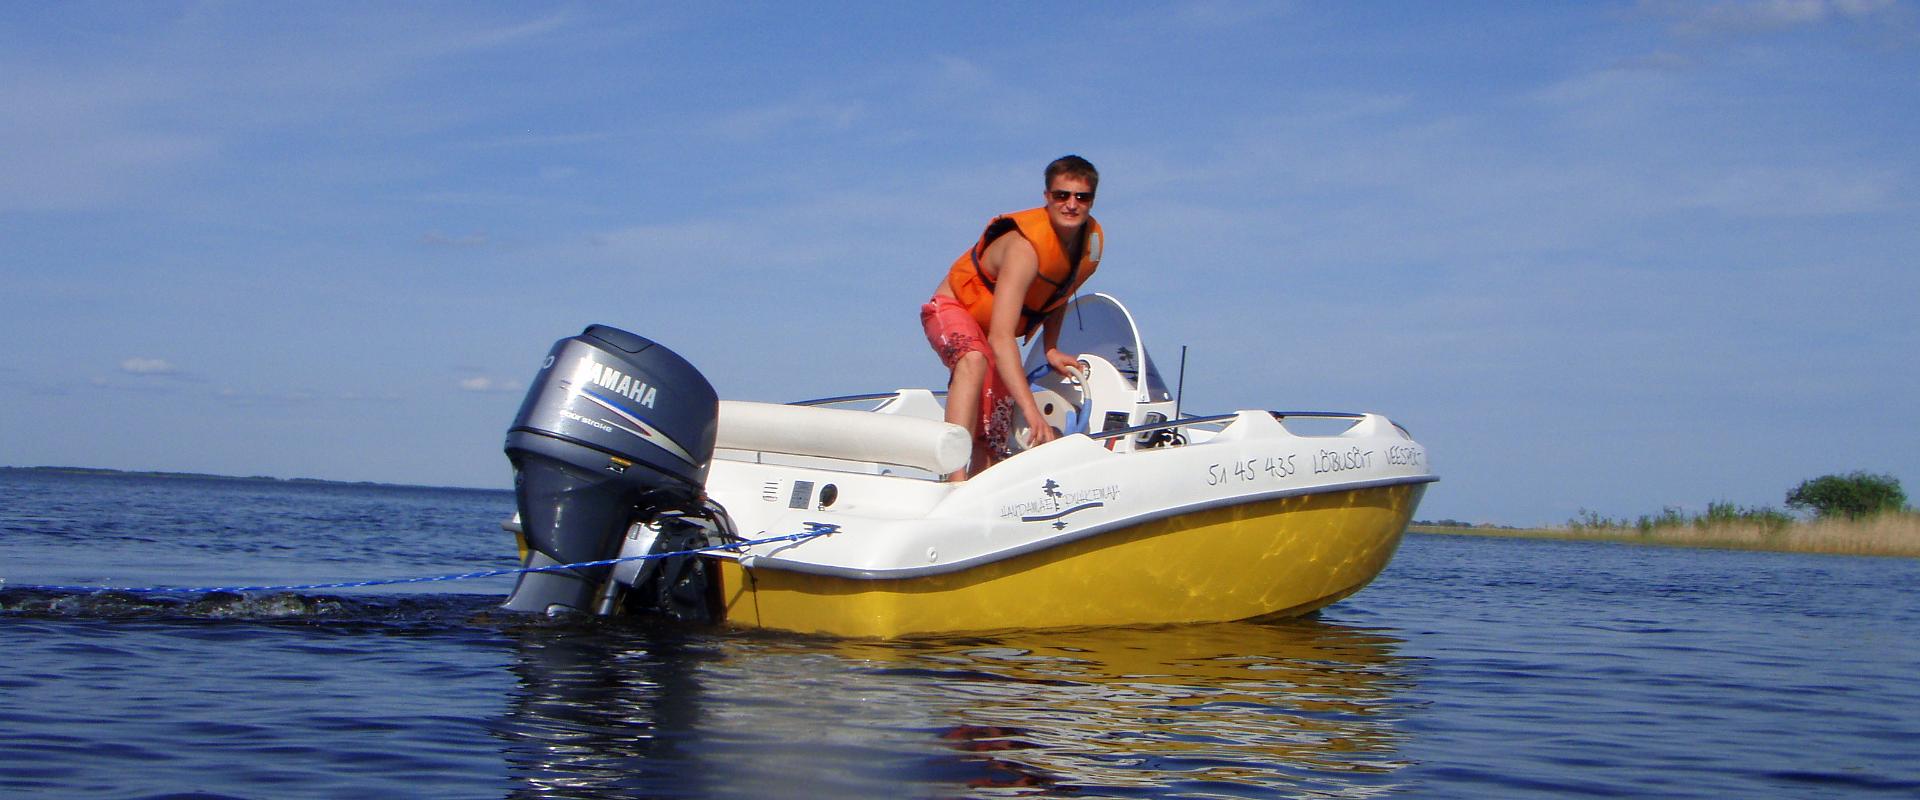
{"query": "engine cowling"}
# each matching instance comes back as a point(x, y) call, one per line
point(615, 427)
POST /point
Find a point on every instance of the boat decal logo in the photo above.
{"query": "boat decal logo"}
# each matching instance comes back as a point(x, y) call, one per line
point(635, 425)
point(1055, 504)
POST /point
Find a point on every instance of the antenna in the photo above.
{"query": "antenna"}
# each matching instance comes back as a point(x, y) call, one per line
point(1180, 385)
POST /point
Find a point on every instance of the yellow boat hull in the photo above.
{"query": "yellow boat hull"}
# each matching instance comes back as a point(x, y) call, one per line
point(1270, 558)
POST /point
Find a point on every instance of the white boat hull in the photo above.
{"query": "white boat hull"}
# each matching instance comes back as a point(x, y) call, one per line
point(1254, 522)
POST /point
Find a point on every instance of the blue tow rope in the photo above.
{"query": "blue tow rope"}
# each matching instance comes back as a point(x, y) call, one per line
point(814, 530)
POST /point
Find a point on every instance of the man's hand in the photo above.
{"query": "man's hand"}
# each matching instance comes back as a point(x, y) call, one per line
point(1064, 364)
point(1039, 432)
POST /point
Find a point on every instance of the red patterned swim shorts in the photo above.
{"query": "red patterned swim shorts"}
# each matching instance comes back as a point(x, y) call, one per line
point(953, 332)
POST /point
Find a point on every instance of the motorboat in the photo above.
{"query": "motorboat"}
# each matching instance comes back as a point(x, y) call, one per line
point(1137, 514)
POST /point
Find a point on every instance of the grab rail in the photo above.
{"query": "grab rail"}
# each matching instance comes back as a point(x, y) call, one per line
point(1184, 421)
point(1117, 432)
point(855, 398)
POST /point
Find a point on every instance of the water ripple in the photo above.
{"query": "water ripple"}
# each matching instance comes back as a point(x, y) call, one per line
point(1473, 668)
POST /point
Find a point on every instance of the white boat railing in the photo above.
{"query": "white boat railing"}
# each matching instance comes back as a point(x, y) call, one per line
point(1212, 420)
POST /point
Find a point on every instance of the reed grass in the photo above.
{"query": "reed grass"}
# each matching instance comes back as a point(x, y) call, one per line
point(1890, 534)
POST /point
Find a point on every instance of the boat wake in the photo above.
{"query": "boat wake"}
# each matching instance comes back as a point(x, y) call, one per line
point(113, 605)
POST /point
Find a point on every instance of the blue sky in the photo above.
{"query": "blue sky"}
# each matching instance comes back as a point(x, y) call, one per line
point(1612, 256)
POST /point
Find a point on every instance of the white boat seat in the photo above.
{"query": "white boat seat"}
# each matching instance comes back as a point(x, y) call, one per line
point(932, 445)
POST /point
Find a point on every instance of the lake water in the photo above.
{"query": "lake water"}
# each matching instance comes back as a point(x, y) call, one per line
point(1474, 667)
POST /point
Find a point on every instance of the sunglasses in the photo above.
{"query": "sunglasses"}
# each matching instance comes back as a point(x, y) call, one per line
point(1061, 195)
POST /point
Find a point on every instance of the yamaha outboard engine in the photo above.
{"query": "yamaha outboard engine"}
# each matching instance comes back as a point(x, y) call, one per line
point(615, 429)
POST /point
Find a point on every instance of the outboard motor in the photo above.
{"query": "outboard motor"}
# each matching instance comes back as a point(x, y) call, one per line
point(615, 429)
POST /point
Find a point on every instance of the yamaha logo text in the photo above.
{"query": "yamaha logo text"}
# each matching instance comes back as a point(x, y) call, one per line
point(613, 380)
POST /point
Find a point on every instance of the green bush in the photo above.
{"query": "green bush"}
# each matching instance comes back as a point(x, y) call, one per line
point(1670, 517)
point(1769, 519)
point(1854, 495)
point(1588, 519)
point(1718, 513)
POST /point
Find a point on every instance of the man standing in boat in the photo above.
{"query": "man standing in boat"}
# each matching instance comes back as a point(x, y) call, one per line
point(1008, 286)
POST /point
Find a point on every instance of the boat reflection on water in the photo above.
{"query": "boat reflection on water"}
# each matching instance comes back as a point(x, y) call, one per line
point(1251, 709)
point(600, 711)
point(1303, 705)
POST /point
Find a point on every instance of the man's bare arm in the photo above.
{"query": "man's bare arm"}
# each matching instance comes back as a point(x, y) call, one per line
point(1019, 264)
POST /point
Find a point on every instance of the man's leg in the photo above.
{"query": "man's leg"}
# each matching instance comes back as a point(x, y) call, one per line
point(963, 405)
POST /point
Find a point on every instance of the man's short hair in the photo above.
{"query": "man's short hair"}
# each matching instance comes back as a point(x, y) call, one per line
point(1074, 166)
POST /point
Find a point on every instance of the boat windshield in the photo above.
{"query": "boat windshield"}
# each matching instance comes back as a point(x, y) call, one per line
point(1098, 324)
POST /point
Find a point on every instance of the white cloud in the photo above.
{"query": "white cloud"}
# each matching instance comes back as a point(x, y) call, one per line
point(79, 140)
point(487, 385)
point(96, 128)
point(1752, 16)
point(1786, 191)
point(147, 366)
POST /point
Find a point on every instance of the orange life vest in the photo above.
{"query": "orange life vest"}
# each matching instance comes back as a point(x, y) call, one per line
point(1051, 288)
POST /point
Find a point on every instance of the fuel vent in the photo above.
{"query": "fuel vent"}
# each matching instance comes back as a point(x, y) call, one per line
point(770, 491)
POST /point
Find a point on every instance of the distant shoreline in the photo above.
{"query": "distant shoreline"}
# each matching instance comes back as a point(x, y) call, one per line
point(1891, 534)
point(207, 476)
